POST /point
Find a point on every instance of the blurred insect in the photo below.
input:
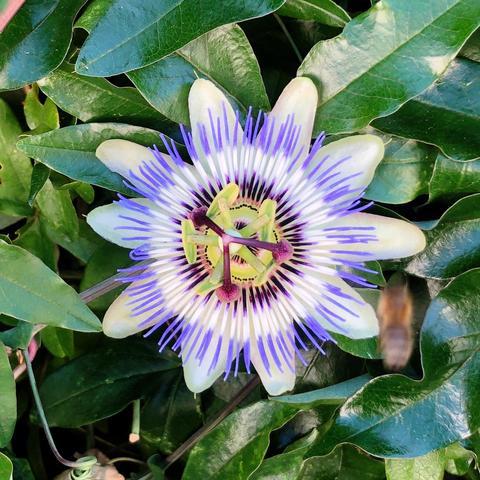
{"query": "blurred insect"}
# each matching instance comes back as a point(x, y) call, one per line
point(395, 313)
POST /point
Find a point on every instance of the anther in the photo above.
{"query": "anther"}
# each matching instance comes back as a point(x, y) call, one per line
point(282, 252)
point(198, 216)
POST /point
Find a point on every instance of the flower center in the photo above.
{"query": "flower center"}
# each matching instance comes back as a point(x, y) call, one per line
point(239, 243)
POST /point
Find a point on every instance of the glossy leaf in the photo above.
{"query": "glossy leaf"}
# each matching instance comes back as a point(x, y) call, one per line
point(471, 49)
point(332, 395)
point(373, 66)
point(215, 55)
point(102, 382)
point(322, 11)
point(18, 336)
point(428, 467)
point(57, 210)
point(457, 237)
point(435, 411)
point(82, 246)
point(452, 180)
point(104, 263)
point(237, 446)
point(6, 467)
point(446, 115)
point(95, 10)
point(98, 100)
point(36, 41)
point(15, 168)
point(58, 341)
point(71, 150)
point(32, 237)
point(404, 172)
point(344, 463)
point(8, 400)
point(171, 414)
point(156, 29)
point(41, 117)
point(40, 174)
point(30, 291)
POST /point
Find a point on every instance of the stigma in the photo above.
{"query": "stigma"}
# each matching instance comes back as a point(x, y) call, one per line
point(237, 240)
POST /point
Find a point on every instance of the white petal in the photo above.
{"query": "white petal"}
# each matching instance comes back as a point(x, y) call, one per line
point(395, 238)
point(206, 102)
point(364, 151)
point(352, 316)
point(200, 375)
point(299, 98)
point(122, 156)
point(275, 381)
point(118, 321)
point(105, 221)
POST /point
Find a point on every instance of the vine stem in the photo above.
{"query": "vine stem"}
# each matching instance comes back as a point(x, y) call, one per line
point(289, 37)
point(84, 463)
point(199, 434)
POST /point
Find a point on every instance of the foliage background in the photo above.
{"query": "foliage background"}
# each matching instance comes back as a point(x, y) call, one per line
point(76, 72)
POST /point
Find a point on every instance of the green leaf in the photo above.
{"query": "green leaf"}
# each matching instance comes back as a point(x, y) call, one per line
point(428, 467)
point(458, 459)
point(404, 172)
point(30, 291)
point(32, 237)
point(104, 263)
point(332, 395)
point(237, 446)
point(36, 41)
point(446, 115)
point(15, 168)
point(102, 382)
point(285, 466)
point(8, 399)
point(84, 190)
point(215, 55)
point(457, 237)
point(81, 246)
point(71, 151)
point(452, 180)
point(95, 10)
point(57, 210)
point(40, 117)
point(18, 336)
point(6, 467)
point(471, 49)
point(395, 416)
point(40, 174)
point(156, 29)
point(98, 100)
point(344, 463)
point(171, 414)
point(322, 11)
point(58, 341)
point(384, 58)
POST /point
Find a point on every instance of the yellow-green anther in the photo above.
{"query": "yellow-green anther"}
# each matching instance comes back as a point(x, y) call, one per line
point(213, 281)
point(262, 277)
point(247, 255)
point(229, 193)
point(255, 226)
point(267, 208)
point(200, 239)
point(224, 214)
point(189, 248)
